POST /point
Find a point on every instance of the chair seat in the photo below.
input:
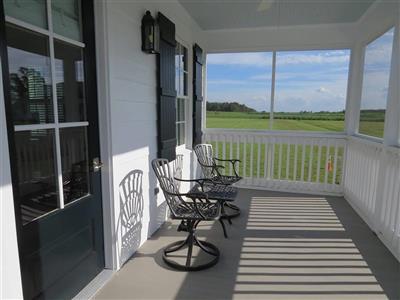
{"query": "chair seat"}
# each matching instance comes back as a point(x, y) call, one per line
point(211, 211)
point(217, 192)
point(225, 179)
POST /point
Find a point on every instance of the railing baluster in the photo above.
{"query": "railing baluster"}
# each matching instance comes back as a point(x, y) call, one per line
point(258, 156)
point(217, 145)
point(272, 159)
point(295, 162)
point(335, 163)
point(287, 160)
point(224, 147)
point(251, 155)
point(326, 162)
point(231, 154)
point(319, 161)
point(266, 170)
point(310, 164)
point(244, 155)
point(303, 157)
point(280, 161)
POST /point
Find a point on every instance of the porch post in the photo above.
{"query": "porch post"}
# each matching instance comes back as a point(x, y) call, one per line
point(354, 89)
point(392, 118)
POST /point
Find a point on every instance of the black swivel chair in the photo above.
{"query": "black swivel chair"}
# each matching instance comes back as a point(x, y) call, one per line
point(215, 172)
point(191, 209)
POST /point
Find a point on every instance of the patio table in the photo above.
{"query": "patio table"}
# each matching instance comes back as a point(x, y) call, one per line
point(222, 193)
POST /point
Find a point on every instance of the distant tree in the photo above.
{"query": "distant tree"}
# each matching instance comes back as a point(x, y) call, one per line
point(229, 106)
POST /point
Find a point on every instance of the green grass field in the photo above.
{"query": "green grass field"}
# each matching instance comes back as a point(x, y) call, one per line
point(241, 120)
point(289, 161)
point(290, 164)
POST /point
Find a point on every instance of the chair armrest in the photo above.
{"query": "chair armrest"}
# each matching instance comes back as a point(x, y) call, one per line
point(230, 160)
point(233, 162)
point(199, 181)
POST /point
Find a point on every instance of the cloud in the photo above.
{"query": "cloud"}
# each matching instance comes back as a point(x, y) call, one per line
point(290, 59)
point(322, 90)
point(264, 59)
point(254, 59)
point(226, 82)
point(264, 77)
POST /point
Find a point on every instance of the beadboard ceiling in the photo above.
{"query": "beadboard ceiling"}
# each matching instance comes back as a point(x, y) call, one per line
point(230, 14)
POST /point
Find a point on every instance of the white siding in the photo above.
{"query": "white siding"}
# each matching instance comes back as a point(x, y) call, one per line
point(128, 103)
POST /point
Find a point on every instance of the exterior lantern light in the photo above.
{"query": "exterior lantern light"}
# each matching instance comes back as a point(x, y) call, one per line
point(150, 34)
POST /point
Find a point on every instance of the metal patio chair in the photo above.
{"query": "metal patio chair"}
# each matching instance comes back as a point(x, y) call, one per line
point(214, 171)
point(191, 209)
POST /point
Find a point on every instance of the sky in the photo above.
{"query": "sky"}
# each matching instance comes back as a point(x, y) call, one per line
point(378, 55)
point(305, 80)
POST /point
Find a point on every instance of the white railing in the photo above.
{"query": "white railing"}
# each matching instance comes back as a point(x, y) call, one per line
point(372, 187)
point(288, 161)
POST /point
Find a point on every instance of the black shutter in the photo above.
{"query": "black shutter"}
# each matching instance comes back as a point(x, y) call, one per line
point(166, 109)
point(197, 93)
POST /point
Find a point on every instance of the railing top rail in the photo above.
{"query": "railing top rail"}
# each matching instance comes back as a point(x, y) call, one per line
point(275, 133)
point(373, 143)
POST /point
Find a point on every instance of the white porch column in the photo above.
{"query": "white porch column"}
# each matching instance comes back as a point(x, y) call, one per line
point(392, 118)
point(354, 89)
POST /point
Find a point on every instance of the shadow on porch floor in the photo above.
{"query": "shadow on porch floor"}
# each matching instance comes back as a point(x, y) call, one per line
point(283, 246)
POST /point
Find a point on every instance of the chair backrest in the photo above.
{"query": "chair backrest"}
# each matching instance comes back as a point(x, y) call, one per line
point(205, 157)
point(168, 185)
point(177, 168)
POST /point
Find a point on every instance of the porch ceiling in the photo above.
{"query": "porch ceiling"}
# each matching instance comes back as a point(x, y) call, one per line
point(217, 14)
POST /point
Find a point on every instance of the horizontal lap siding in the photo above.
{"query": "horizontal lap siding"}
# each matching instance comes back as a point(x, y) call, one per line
point(133, 104)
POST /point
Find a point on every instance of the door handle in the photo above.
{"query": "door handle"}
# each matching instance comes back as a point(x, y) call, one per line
point(96, 165)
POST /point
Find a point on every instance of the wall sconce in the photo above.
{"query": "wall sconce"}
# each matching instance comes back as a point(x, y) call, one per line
point(150, 34)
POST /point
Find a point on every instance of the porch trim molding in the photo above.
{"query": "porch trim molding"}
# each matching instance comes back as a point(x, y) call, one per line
point(104, 106)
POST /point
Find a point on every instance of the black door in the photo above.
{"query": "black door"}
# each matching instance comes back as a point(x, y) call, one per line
point(49, 76)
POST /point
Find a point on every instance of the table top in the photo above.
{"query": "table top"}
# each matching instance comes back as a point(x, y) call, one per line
point(217, 192)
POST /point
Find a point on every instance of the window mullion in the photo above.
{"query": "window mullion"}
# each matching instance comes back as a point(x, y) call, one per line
point(55, 107)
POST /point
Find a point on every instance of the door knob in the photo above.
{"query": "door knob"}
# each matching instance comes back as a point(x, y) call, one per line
point(97, 164)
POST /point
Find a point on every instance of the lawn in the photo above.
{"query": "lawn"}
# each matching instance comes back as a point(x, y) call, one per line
point(300, 121)
point(290, 163)
point(286, 157)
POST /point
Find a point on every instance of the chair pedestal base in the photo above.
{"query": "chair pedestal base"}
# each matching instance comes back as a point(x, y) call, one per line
point(191, 241)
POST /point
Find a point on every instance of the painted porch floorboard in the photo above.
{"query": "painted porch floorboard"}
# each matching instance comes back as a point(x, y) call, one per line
point(283, 246)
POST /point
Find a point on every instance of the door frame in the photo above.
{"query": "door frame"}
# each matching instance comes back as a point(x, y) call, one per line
point(89, 33)
point(111, 257)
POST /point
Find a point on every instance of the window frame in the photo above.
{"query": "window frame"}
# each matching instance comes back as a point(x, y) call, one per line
point(185, 92)
point(364, 46)
point(272, 90)
point(56, 126)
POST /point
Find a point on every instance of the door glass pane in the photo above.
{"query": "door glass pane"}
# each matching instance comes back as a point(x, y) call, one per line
point(70, 82)
point(33, 12)
point(30, 76)
point(67, 18)
point(74, 161)
point(37, 178)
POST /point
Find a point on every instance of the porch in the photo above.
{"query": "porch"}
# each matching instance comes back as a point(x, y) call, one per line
point(320, 209)
point(283, 246)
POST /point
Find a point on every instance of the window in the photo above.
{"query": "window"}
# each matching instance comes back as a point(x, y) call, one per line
point(377, 61)
point(239, 90)
point(181, 81)
point(309, 90)
point(48, 103)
